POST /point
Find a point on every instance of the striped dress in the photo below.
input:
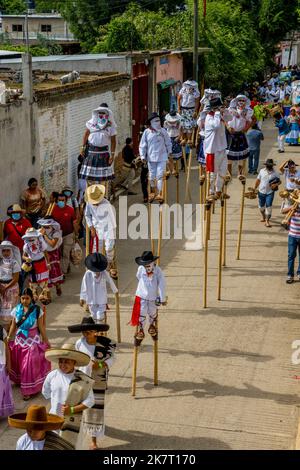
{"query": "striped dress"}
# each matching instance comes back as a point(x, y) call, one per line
point(294, 229)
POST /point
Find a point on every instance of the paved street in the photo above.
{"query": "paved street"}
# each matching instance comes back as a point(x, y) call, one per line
point(225, 373)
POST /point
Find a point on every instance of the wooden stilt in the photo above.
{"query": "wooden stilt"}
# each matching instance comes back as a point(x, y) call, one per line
point(187, 181)
point(150, 220)
point(207, 208)
point(177, 181)
point(160, 233)
point(241, 221)
point(117, 300)
point(224, 224)
point(87, 239)
point(155, 352)
point(221, 248)
point(134, 371)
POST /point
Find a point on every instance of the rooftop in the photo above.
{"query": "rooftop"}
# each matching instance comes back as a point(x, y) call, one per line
point(34, 15)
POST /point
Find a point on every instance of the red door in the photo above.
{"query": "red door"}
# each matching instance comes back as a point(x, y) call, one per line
point(140, 81)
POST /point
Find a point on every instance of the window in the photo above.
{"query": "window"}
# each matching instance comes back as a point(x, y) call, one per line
point(17, 28)
point(46, 28)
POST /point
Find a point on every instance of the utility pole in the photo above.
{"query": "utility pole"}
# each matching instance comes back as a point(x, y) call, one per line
point(196, 40)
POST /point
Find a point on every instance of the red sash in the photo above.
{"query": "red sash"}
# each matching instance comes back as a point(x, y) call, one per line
point(135, 316)
point(210, 159)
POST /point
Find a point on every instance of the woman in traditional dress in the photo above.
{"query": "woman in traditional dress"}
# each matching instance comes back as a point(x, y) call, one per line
point(50, 230)
point(173, 125)
point(10, 267)
point(33, 200)
point(37, 260)
point(99, 146)
point(101, 351)
point(29, 367)
point(293, 120)
point(238, 149)
point(6, 397)
point(188, 107)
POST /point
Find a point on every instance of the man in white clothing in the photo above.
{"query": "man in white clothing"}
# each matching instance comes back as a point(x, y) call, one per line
point(155, 148)
point(215, 144)
point(101, 220)
point(150, 294)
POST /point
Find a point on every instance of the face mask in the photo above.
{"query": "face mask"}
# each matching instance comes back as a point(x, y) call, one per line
point(149, 268)
point(61, 204)
point(156, 125)
point(16, 216)
point(102, 121)
point(68, 193)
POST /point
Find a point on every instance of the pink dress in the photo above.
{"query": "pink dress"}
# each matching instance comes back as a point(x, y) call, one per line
point(29, 367)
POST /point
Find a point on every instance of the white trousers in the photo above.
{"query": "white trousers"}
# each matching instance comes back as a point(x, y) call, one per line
point(149, 308)
point(220, 167)
point(281, 141)
point(106, 238)
point(97, 312)
point(156, 172)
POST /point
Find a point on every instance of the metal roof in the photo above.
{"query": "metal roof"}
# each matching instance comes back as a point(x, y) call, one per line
point(10, 54)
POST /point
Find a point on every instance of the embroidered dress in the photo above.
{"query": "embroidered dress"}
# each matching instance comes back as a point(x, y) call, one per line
point(55, 274)
point(6, 398)
point(28, 363)
point(189, 93)
point(238, 148)
point(293, 136)
point(103, 350)
point(174, 129)
point(35, 251)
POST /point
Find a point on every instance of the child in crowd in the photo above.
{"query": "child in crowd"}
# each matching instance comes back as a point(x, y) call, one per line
point(254, 138)
point(283, 130)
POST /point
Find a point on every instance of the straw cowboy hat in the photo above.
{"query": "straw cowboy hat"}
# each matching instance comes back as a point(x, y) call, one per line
point(146, 258)
point(6, 245)
point(67, 351)
point(31, 233)
point(15, 208)
point(88, 324)
point(96, 262)
point(36, 418)
point(95, 193)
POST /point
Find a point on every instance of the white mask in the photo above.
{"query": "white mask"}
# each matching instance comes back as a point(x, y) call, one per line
point(155, 124)
point(149, 268)
point(102, 121)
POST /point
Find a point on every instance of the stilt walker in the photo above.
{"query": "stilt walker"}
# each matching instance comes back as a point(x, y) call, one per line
point(150, 294)
point(207, 223)
point(188, 175)
point(100, 218)
point(174, 128)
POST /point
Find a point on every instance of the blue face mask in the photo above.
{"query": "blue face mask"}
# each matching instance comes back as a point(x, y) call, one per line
point(61, 204)
point(16, 216)
point(68, 193)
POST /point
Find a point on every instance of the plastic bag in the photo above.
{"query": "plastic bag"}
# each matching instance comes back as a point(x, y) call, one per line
point(76, 254)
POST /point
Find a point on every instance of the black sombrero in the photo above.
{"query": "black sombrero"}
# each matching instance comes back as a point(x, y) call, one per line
point(96, 262)
point(146, 258)
point(152, 116)
point(87, 324)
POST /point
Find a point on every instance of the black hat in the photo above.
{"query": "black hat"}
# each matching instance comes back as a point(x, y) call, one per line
point(146, 258)
point(152, 116)
point(290, 163)
point(87, 324)
point(96, 262)
point(269, 161)
point(215, 103)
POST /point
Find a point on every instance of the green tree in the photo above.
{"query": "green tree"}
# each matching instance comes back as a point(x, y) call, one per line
point(12, 7)
point(121, 35)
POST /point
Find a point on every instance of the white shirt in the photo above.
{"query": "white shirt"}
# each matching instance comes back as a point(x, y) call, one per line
point(173, 129)
point(93, 289)
point(53, 235)
point(26, 443)
point(35, 250)
point(149, 288)
point(83, 346)
point(264, 176)
point(102, 217)
point(188, 100)
point(155, 146)
point(102, 138)
point(240, 118)
point(288, 183)
point(2, 349)
point(56, 387)
point(8, 267)
point(214, 133)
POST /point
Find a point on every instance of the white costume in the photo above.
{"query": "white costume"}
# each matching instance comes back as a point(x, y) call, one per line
point(102, 218)
point(155, 147)
point(187, 97)
point(150, 287)
point(94, 292)
point(215, 143)
point(56, 387)
point(26, 443)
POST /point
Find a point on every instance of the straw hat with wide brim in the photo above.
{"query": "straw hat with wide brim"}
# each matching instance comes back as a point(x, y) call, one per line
point(36, 418)
point(95, 193)
point(31, 233)
point(15, 208)
point(67, 351)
